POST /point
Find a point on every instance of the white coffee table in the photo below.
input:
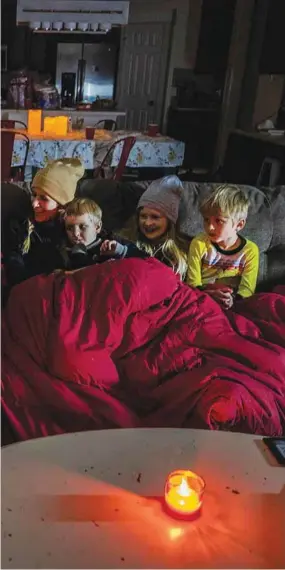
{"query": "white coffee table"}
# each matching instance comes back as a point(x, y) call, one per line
point(77, 501)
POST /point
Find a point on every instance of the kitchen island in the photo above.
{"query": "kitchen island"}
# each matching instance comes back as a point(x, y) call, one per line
point(90, 118)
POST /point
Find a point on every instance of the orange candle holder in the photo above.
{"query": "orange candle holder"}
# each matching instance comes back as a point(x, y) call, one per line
point(184, 494)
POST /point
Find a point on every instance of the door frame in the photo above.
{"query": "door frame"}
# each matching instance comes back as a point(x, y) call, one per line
point(237, 59)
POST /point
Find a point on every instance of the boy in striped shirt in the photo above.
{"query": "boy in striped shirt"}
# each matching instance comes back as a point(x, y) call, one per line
point(220, 260)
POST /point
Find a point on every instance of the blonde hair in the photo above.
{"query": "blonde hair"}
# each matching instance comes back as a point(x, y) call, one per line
point(81, 206)
point(229, 200)
point(168, 247)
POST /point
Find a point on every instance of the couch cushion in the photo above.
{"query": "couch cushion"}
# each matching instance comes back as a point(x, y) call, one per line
point(118, 200)
point(276, 265)
point(276, 197)
point(259, 227)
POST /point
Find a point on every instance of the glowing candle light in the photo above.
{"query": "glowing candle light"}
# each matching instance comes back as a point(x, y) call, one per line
point(34, 122)
point(184, 493)
point(49, 125)
point(56, 126)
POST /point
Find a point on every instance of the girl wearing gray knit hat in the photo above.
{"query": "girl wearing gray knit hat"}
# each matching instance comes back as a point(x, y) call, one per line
point(164, 196)
point(154, 234)
point(157, 214)
point(156, 220)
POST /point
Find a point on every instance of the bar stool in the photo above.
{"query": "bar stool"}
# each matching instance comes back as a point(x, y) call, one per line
point(269, 173)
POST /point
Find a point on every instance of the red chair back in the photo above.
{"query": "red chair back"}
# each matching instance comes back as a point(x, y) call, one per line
point(7, 124)
point(7, 145)
point(127, 147)
point(11, 124)
point(128, 143)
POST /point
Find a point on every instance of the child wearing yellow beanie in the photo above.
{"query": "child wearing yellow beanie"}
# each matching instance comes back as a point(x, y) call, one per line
point(53, 186)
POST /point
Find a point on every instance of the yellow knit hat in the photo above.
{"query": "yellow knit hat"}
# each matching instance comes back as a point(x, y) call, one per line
point(59, 179)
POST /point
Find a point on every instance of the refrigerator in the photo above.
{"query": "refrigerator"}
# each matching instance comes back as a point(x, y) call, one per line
point(85, 72)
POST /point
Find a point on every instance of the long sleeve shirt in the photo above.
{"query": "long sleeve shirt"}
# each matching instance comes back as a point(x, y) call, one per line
point(237, 268)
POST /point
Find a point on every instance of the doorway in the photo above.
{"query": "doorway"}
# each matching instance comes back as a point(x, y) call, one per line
point(142, 73)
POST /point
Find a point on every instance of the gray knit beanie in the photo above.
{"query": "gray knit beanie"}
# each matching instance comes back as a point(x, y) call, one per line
point(163, 195)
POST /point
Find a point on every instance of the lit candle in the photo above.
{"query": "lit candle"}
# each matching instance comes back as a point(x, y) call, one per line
point(34, 122)
point(56, 125)
point(61, 125)
point(49, 125)
point(184, 492)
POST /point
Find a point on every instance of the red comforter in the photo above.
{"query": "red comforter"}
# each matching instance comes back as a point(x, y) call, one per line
point(126, 344)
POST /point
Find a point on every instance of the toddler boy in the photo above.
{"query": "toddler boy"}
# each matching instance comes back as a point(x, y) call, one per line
point(87, 243)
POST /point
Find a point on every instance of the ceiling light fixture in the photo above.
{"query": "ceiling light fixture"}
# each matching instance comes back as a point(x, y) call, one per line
point(70, 26)
point(83, 26)
point(45, 25)
point(35, 25)
point(57, 26)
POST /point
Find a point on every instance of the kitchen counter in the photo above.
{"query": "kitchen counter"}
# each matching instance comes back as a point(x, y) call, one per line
point(89, 117)
point(262, 136)
point(246, 152)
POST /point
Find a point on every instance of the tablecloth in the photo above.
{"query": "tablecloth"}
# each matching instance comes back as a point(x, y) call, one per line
point(41, 151)
point(151, 152)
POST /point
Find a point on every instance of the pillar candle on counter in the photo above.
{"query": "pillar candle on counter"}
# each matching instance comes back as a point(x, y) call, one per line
point(49, 125)
point(56, 125)
point(61, 125)
point(34, 121)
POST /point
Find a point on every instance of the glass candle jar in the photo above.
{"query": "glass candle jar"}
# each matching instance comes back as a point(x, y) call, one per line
point(184, 493)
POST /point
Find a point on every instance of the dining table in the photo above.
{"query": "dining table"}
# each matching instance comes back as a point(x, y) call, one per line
point(158, 151)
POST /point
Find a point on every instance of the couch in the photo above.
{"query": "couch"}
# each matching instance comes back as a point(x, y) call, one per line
point(265, 224)
point(118, 200)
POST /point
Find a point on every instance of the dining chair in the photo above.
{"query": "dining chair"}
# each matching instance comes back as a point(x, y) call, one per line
point(7, 145)
point(11, 124)
point(128, 143)
point(106, 124)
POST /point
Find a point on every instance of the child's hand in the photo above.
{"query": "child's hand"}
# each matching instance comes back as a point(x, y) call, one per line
point(108, 247)
point(223, 295)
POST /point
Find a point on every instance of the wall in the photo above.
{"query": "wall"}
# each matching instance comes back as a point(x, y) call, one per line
point(268, 97)
point(273, 50)
point(193, 32)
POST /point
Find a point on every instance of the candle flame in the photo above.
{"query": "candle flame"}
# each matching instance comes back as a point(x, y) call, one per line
point(184, 489)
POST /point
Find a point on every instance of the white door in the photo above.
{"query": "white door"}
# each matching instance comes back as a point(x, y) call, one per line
point(142, 73)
